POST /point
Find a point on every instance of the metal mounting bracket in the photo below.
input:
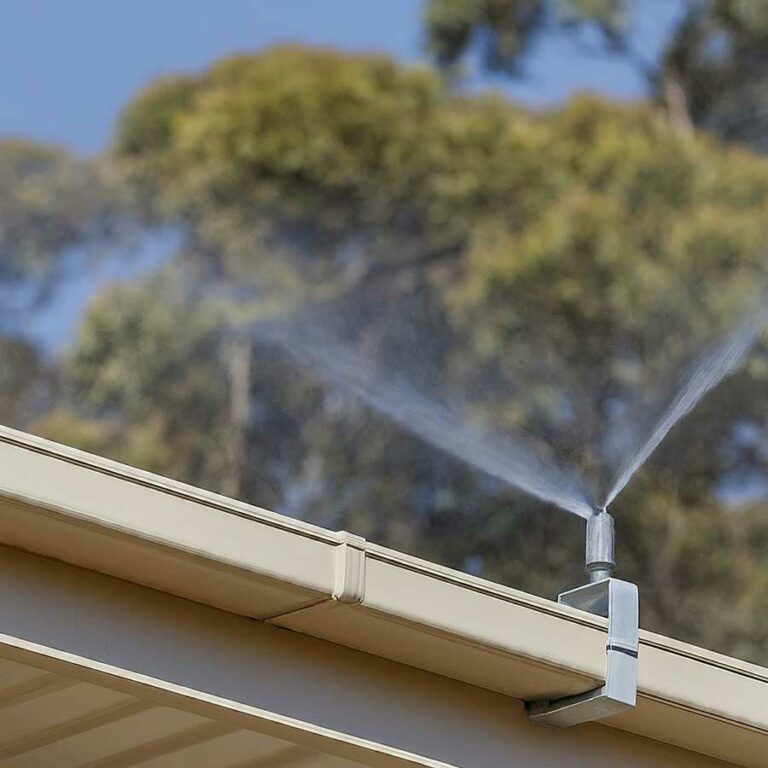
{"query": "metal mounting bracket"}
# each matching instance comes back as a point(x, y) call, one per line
point(618, 601)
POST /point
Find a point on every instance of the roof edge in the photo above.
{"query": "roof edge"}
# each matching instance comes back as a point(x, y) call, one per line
point(98, 514)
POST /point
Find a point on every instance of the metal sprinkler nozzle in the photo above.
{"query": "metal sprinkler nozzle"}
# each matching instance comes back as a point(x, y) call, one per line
point(600, 554)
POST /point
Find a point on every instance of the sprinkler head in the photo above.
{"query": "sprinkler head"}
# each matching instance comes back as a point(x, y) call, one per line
point(600, 556)
point(615, 600)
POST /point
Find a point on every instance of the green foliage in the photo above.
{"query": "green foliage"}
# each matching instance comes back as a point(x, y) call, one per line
point(339, 151)
point(312, 170)
point(503, 31)
point(555, 267)
point(610, 14)
point(148, 366)
point(50, 201)
point(145, 130)
point(717, 60)
point(505, 28)
point(20, 369)
point(649, 246)
point(52, 205)
point(712, 71)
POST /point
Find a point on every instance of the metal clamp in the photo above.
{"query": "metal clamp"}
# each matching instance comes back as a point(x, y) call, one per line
point(618, 601)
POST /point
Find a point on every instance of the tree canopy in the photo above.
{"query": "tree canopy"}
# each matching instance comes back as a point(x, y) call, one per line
point(543, 274)
point(50, 202)
point(712, 71)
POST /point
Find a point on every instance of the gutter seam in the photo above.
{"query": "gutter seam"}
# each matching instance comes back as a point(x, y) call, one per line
point(348, 577)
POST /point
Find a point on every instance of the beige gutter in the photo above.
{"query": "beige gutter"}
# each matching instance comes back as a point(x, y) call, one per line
point(109, 518)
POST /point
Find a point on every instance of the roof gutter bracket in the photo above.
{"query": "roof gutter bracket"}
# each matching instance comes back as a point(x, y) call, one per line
point(617, 601)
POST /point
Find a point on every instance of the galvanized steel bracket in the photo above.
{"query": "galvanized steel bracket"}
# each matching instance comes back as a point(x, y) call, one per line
point(618, 601)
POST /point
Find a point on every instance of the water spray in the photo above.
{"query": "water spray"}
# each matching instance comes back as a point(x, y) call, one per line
point(523, 463)
point(617, 601)
point(612, 598)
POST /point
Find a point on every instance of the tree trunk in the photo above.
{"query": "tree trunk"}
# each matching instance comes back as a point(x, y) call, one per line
point(675, 101)
point(239, 364)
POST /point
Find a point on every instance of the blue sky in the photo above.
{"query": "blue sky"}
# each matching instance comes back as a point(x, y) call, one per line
point(67, 66)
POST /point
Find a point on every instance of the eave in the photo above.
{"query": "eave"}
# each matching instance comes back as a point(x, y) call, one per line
point(110, 519)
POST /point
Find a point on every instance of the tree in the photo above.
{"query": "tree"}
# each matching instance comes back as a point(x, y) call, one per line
point(146, 368)
point(718, 65)
point(52, 206)
point(712, 72)
point(549, 269)
point(21, 369)
point(316, 166)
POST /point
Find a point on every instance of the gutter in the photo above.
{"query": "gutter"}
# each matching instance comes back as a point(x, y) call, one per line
point(100, 515)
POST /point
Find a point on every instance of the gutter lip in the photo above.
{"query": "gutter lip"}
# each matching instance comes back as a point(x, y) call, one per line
point(511, 595)
point(177, 552)
point(104, 466)
point(701, 655)
point(480, 585)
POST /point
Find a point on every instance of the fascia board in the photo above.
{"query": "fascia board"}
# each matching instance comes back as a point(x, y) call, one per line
point(99, 514)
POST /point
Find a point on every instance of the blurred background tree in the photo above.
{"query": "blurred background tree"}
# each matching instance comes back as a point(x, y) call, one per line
point(712, 73)
point(54, 209)
point(542, 271)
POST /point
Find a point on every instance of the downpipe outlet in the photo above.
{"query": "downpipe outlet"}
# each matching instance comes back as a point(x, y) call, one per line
point(617, 601)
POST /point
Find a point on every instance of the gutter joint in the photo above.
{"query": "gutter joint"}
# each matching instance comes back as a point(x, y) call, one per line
point(349, 569)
